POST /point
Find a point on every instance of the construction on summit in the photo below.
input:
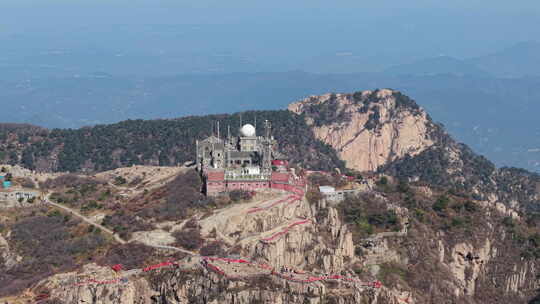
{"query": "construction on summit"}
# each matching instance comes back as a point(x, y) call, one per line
point(243, 162)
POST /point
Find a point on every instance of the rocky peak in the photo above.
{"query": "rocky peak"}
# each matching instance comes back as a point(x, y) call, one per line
point(368, 128)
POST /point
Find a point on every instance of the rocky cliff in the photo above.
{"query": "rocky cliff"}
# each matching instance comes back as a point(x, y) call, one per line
point(370, 128)
point(431, 223)
point(292, 251)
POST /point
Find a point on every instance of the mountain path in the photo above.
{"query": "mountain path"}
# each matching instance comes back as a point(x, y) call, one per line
point(107, 230)
point(85, 219)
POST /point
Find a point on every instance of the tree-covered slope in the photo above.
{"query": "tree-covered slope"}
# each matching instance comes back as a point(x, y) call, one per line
point(155, 142)
point(452, 165)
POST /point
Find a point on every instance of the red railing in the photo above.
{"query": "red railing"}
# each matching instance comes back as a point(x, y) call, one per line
point(290, 198)
point(160, 265)
point(284, 231)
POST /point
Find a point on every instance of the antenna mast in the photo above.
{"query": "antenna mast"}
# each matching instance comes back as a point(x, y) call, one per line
point(267, 128)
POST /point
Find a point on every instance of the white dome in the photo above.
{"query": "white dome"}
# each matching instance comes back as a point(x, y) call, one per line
point(247, 130)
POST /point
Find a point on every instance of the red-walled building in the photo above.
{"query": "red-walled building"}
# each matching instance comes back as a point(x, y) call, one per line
point(246, 161)
point(217, 182)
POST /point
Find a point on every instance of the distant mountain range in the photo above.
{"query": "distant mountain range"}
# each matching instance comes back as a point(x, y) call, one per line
point(520, 60)
point(436, 66)
point(495, 115)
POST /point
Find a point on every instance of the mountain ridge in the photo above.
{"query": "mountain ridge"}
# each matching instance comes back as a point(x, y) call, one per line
point(437, 223)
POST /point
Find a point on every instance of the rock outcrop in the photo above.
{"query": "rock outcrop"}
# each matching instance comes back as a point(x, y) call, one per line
point(425, 266)
point(288, 243)
point(368, 129)
point(446, 226)
point(7, 256)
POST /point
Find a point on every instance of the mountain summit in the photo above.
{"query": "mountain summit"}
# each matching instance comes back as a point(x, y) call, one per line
point(370, 128)
point(379, 205)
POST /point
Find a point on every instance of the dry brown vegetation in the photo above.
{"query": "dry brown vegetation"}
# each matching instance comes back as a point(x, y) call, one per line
point(213, 249)
point(49, 242)
point(189, 238)
point(70, 181)
point(129, 255)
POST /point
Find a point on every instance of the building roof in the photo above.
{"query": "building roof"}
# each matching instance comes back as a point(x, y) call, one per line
point(327, 189)
point(279, 155)
point(212, 139)
point(279, 162)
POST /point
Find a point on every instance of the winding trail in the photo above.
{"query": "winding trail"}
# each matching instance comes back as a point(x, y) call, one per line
point(109, 231)
point(85, 219)
point(229, 268)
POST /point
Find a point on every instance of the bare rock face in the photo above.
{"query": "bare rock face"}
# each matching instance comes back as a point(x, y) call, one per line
point(93, 285)
point(369, 128)
point(416, 264)
point(7, 256)
point(308, 243)
point(466, 265)
point(307, 240)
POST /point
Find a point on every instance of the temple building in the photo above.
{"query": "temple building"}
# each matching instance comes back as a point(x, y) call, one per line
point(246, 161)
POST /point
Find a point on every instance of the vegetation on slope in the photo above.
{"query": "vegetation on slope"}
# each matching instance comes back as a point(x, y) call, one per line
point(152, 142)
point(440, 217)
point(48, 242)
point(330, 111)
point(455, 166)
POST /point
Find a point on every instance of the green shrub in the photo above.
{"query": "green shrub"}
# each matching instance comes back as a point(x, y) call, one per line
point(403, 186)
point(470, 207)
point(241, 195)
point(383, 181)
point(119, 180)
point(391, 274)
point(457, 222)
point(364, 227)
point(441, 204)
point(508, 222)
point(313, 196)
point(420, 214)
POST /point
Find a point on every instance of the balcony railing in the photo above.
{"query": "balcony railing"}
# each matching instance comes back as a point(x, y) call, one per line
point(241, 177)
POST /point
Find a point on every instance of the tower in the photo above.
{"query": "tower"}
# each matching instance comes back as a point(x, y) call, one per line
point(267, 147)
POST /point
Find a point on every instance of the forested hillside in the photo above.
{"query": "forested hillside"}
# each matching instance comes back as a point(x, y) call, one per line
point(151, 142)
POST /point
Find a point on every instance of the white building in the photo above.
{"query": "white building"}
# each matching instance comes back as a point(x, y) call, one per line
point(332, 195)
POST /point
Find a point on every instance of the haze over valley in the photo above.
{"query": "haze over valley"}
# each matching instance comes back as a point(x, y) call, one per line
point(479, 79)
point(247, 152)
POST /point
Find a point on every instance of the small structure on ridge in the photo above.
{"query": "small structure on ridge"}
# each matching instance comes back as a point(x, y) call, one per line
point(246, 161)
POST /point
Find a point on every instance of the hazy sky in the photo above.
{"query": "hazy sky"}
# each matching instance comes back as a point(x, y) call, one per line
point(324, 36)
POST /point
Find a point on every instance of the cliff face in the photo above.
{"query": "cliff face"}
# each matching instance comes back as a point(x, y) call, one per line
point(435, 224)
point(288, 245)
point(296, 252)
point(368, 129)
